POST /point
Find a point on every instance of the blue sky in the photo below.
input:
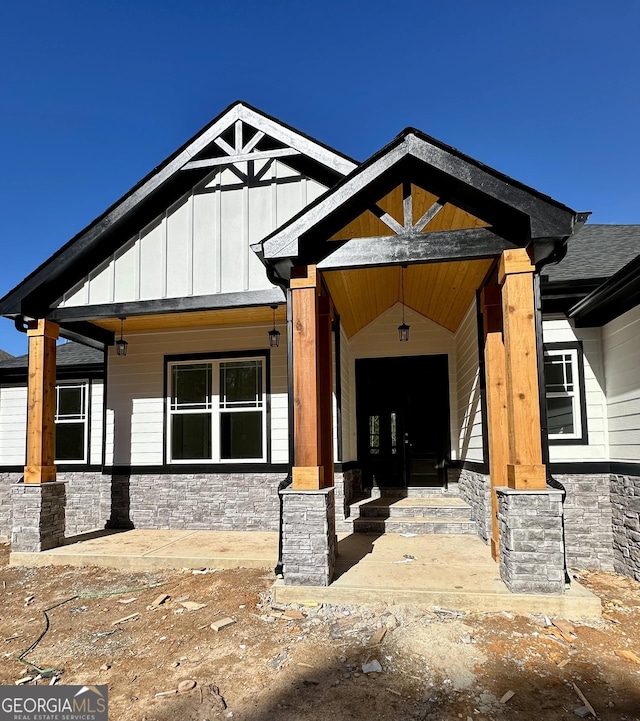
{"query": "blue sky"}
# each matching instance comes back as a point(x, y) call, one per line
point(95, 94)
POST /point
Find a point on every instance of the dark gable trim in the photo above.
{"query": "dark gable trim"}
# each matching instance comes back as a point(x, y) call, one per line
point(148, 199)
point(517, 212)
point(616, 296)
point(217, 301)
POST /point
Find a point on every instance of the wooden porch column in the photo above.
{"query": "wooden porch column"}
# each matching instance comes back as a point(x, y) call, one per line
point(495, 372)
point(312, 423)
point(41, 403)
point(525, 469)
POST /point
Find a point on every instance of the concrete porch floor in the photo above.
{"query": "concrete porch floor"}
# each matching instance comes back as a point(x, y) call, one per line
point(453, 572)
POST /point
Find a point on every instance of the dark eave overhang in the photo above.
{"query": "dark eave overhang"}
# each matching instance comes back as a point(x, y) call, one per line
point(150, 197)
point(561, 296)
point(610, 299)
point(63, 372)
point(517, 213)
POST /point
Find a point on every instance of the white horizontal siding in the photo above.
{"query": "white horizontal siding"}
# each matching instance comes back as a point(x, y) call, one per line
point(135, 389)
point(13, 425)
point(621, 350)
point(380, 339)
point(562, 331)
point(468, 409)
point(95, 422)
point(200, 245)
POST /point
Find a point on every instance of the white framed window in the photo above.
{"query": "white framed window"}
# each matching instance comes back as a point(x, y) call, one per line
point(564, 388)
point(72, 422)
point(216, 410)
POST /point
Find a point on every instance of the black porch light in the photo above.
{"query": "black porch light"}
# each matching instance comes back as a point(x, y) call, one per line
point(274, 333)
point(403, 329)
point(121, 343)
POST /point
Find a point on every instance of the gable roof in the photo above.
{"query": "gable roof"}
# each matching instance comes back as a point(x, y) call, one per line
point(521, 211)
point(162, 186)
point(596, 252)
point(4, 355)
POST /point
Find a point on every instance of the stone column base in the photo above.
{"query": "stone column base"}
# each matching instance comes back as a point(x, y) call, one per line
point(308, 537)
point(38, 516)
point(531, 540)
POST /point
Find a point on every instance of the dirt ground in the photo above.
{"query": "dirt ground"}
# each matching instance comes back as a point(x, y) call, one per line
point(302, 663)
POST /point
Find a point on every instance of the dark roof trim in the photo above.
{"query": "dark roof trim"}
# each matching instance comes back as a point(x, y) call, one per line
point(561, 296)
point(611, 299)
point(547, 217)
point(82, 250)
point(87, 371)
point(217, 301)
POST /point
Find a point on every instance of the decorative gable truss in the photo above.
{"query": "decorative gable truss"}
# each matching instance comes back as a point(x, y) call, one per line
point(200, 245)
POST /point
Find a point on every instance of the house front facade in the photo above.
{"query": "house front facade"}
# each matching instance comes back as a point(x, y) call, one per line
point(286, 331)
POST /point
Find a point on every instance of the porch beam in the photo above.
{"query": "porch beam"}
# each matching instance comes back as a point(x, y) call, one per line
point(41, 405)
point(495, 372)
point(525, 469)
point(469, 243)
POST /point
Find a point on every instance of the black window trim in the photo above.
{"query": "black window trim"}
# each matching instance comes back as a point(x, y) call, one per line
point(582, 394)
point(218, 355)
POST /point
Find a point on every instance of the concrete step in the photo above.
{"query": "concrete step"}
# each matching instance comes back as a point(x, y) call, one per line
point(416, 492)
point(435, 507)
point(415, 524)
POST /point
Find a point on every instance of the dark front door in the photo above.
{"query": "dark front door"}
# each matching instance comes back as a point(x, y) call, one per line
point(402, 407)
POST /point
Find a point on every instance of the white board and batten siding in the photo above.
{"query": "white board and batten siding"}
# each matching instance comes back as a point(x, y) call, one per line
point(200, 245)
point(560, 330)
point(135, 433)
point(380, 339)
point(621, 350)
point(468, 410)
point(13, 423)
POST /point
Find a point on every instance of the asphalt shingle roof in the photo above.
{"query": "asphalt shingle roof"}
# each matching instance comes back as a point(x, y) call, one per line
point(4, 355)
point(596, 251)
point(67, 354)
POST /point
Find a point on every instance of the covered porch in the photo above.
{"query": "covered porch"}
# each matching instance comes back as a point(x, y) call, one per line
point(422, 228)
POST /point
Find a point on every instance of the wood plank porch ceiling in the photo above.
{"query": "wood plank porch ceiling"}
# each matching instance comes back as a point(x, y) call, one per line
point(195, 319)
point(441, 292)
